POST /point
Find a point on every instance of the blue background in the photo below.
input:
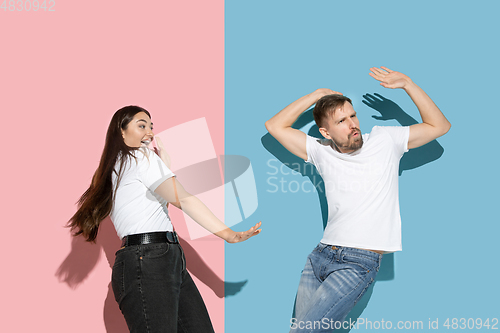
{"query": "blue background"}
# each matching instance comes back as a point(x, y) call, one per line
point(278, 51)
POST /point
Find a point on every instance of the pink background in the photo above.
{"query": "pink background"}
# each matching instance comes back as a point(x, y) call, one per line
point(63, 74)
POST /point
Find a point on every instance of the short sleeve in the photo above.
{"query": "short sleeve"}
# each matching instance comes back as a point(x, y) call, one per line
point(400, 136)
point(311, 149)
point(153, 171)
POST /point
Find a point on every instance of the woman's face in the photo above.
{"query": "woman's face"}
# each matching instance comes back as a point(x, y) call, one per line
point(139, 131)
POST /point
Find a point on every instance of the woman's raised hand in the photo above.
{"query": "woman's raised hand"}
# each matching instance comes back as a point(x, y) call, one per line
point(162, 152)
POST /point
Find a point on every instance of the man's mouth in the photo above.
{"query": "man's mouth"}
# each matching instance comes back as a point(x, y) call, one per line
point(355, 134)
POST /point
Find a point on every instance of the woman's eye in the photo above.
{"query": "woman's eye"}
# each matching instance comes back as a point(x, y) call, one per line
point(142, 126)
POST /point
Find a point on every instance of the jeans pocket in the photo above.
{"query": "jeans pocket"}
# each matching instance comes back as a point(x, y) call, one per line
point(153, 251)
point(118, 280)
point(365, 263)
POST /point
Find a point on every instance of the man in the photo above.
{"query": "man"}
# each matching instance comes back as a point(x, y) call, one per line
point(360, 173)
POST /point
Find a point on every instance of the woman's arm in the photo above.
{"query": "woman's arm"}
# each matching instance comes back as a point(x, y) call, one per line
point(172, 191)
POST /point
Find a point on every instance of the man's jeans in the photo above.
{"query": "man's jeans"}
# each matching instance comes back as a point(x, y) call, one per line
point(155, 291)
point(333, 281)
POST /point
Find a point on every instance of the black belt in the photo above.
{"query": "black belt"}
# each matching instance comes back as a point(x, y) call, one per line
point(151, 237)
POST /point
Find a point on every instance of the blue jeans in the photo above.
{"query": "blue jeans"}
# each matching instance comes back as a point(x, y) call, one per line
point(332, 282)
point(155, 291)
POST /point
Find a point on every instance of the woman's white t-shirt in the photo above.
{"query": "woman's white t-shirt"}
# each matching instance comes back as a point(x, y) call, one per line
point(137, 209)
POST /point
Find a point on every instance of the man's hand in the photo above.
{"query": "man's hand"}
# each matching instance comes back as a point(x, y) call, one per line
point(231, 236)
point(325, 91)
point(389, 78)
point(434, 123)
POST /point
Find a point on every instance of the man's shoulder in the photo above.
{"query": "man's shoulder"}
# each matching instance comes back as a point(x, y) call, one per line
point(379, 129)
point(386, 130)
point(320, 141)
point(396, 135)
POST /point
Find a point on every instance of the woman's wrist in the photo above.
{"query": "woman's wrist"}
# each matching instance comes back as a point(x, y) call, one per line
point(225, 234)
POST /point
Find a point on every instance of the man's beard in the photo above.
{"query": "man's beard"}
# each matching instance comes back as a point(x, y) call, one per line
point(351, 144)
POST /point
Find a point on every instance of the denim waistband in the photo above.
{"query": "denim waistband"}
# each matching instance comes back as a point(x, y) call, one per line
point(346, 250)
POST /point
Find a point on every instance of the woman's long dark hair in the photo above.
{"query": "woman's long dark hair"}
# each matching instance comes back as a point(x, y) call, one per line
point(97, 201)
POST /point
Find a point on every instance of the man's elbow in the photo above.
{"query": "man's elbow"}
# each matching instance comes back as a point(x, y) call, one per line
point(445, 128)
point(269, 126)
point(440, 130)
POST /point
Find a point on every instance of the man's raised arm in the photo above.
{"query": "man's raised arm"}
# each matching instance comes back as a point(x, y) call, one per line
point(280, 126)
point(434, 123)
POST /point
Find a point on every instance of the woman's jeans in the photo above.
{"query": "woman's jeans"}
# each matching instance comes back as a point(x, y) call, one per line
point(155, 291)
point(332, 282)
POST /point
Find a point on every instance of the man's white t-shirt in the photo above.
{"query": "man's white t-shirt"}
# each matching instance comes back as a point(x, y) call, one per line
point(362, 189)
point(137, 209)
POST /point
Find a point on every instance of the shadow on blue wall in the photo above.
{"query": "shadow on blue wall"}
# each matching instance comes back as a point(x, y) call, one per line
point(412, 159)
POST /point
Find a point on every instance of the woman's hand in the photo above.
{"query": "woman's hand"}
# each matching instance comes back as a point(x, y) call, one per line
point(231, 236)
point(162, 152)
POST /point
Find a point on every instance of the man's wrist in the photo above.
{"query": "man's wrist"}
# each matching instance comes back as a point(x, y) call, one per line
point(318, 93)
point(410, 85)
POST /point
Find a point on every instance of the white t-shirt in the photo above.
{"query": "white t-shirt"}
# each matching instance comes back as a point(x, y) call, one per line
point(362, 189)
point(137, 209)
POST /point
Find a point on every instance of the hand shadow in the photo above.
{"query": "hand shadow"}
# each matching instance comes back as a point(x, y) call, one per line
point(83, 257)
point(410, 160)
point(390, 110)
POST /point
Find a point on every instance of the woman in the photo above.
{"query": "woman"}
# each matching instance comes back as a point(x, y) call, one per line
point(150, 281)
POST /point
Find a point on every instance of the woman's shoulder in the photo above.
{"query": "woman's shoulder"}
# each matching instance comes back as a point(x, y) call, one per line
point(145, 157)
point(137, 157)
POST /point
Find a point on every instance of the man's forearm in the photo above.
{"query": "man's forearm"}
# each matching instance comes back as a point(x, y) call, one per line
point(287, 116)
point(429, 111)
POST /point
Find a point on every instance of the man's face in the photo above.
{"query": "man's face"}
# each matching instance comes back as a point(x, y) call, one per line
point(343, 129)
